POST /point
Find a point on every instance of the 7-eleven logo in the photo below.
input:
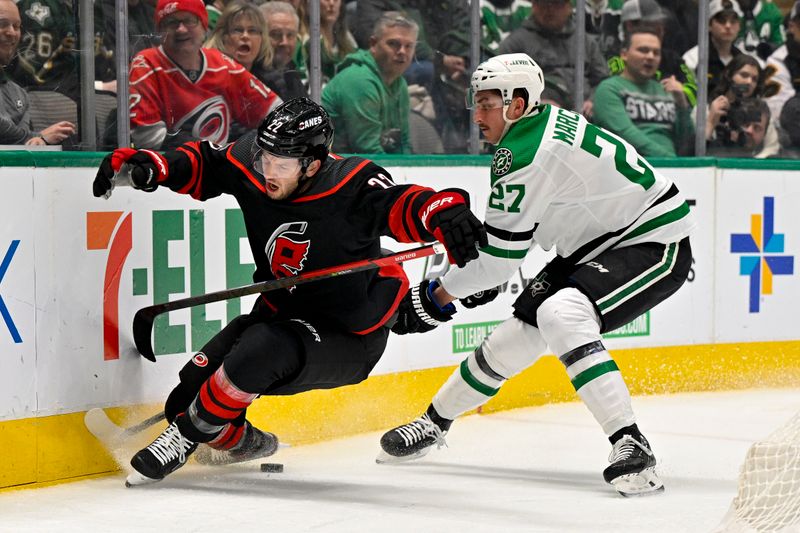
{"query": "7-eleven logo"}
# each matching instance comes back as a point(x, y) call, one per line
point(112, 231)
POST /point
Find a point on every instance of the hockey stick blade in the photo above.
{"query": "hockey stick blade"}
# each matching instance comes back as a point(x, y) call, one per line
point(115, 439)
point(144, 317)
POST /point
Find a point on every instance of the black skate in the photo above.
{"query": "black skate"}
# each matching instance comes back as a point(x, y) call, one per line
point(632, 468)
point(255, 444)
point(162, 457)
point(411, 441)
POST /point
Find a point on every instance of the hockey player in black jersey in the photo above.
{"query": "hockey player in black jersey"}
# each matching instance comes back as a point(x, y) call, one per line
point(304, 209)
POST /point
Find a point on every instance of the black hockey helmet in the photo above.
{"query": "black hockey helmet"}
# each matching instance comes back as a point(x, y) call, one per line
point(298, 128)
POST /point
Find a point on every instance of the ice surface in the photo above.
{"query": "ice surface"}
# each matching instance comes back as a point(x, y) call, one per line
point(536, 469)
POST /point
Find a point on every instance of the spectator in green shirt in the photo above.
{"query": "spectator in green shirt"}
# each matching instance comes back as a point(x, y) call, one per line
point(368, 99)
point(655, 117)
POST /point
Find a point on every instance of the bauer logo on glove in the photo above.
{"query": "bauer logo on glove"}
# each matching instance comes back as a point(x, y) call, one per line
point(447, 216)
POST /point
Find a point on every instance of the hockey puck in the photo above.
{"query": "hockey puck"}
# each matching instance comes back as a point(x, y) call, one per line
point(272, 467)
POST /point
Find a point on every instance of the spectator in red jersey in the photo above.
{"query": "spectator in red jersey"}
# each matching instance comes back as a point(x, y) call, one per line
point(182, 92)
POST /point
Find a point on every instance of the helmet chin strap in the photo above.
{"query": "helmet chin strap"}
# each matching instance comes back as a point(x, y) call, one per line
point(510, 122)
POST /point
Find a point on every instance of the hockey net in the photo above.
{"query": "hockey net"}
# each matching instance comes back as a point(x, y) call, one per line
point(769, 485)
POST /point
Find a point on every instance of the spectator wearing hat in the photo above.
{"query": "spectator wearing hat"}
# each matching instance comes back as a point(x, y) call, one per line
point(762, 28)
point(655, 117)
point(182, 92)
point(724, 24)
point(784, 63)
point(549, 36)
point(649, 15)
point(790, 129)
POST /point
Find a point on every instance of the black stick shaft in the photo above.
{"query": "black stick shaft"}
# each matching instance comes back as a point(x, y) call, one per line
point(144, 317)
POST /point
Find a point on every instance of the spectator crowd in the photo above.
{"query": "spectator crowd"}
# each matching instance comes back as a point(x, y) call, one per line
point(395, 73)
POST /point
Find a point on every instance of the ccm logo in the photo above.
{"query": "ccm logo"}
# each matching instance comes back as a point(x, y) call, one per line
point(434, 206)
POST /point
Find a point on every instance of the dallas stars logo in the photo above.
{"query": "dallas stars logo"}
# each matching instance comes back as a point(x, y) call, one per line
point(539, 285)
point(38, 12)
point(502, 161)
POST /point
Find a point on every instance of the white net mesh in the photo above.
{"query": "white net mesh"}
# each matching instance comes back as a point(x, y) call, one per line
point(769, 484)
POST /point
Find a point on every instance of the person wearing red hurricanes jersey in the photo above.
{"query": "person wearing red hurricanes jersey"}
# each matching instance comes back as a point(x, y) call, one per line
point(304, 209)
point(182, 92)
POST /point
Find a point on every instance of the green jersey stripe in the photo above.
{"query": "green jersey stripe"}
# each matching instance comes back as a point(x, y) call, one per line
point(594, 372)
point(661, 220)
point(525, 142)
point(503, 253)
point(641, 282)
point(473, 382)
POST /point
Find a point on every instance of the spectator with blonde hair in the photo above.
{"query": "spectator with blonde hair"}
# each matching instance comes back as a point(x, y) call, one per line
point(336, 40)
point(240, 33)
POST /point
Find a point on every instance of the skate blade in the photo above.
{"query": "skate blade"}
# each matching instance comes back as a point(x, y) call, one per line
point(386, 459)
point(644, 483)
point(206, 457)
point(136, 479)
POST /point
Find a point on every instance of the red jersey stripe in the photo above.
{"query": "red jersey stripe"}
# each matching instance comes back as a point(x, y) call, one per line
point(337, 187)
point(260, 186)
point(391, 271)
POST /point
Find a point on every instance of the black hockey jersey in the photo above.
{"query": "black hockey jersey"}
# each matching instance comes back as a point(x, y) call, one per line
point(340, 218)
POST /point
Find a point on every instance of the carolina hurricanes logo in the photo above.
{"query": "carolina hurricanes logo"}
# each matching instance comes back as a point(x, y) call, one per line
point(208, 121)
point(200, 359)
point(286, 251)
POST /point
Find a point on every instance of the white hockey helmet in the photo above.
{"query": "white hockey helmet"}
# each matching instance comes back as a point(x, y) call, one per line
point(505, 73)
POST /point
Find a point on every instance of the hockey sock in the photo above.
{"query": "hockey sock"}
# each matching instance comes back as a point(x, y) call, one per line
point(218, 403)
point(599, 383)
point(471, 385)
point(228, 438)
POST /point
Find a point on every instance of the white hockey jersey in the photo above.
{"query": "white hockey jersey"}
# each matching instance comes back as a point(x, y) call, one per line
point(558, 180)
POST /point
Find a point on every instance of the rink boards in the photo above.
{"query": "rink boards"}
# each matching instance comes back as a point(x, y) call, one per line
point(74, 269)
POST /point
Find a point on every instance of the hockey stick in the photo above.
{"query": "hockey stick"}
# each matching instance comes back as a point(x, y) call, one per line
point(101, 426)
point(144, 317)
point(144, 424)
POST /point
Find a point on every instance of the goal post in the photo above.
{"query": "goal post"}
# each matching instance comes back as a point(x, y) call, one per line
point(768, 498)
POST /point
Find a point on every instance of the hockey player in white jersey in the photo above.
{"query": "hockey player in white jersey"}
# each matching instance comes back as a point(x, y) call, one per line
point(620, 230)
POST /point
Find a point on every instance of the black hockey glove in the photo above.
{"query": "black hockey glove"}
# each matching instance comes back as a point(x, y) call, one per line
point(418, 312)
point(147, 169)
point(480, 298)
point(447, 216)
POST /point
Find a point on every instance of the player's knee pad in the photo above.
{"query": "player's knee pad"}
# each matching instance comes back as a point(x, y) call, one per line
point(568, 320)
point(512, 347)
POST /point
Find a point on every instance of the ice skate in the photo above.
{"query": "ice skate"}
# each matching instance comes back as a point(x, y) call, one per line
point(632, 468)
point(411, 441)
point(162, 457)
point(255, 444)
